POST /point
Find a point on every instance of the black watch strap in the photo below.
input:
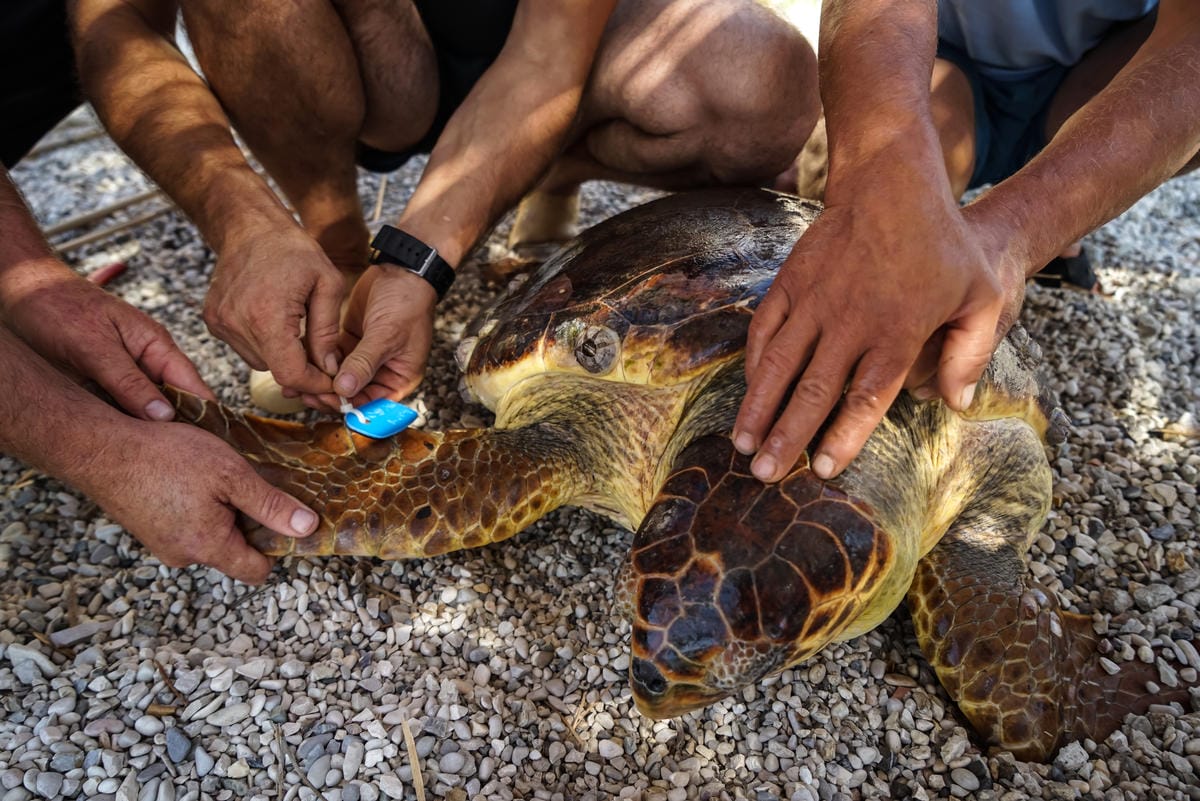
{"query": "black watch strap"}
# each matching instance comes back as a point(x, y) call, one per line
point(393, 246)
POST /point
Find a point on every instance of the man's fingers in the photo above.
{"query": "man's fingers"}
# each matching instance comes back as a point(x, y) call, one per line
point(381, 342)
point(922, 376)
point(291, 368)
point(131, 388)
point(876, 382)
point(273, 507)
point(814, 396)
point(766, 386)
point(395, 381)
point(324, 325)
point(240, 561)
point(966, 351)
point(768, 318)
point(164, 362)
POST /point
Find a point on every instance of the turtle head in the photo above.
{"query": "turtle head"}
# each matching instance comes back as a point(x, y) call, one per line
point(687, 655)
point(731, 580)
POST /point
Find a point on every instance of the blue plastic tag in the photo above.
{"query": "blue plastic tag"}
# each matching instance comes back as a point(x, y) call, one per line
point(380, 418)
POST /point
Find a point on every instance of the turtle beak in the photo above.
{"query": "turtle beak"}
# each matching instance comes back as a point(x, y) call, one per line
point(658, 698)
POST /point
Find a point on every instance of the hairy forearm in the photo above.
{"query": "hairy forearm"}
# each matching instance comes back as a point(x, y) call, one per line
point(53, 424)
point(165, 117)
point(21, 239)
point(876, 60)
point(26, 261)
point(507, 132)
point(1133, 135)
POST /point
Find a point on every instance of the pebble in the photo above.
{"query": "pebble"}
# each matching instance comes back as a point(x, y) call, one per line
point(965, 779)
point(391, 786)
point(20, 655)
point(148, 725)
point(49, 784)
point(1153, 596)
point(293, 669)
point(229, 715)
point(1071, 757)
point(179, 745)
point(352, 758)
point(70, 637)
point(452, 762)
point(204, 763)
point(609, 749)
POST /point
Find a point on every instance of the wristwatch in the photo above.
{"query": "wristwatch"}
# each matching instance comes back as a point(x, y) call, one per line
point(393, 246)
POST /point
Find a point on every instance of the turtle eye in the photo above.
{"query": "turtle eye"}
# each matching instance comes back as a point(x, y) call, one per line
point(597, 349)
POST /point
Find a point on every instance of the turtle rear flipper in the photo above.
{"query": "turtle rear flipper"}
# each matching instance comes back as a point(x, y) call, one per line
point(1026, 673)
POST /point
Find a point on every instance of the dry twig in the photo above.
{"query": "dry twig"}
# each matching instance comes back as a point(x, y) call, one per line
point(286, 753)
point(373, 587)
point(414, 760)
point(383, 182)
point(45, 640)
point(65, 141)
point(245, 597)
point(162, 671)
point(105, 233)
point(80, 220)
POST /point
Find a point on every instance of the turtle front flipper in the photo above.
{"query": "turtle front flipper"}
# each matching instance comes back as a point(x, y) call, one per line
point(731, 579)
point(419, 493)
point(1025, 673)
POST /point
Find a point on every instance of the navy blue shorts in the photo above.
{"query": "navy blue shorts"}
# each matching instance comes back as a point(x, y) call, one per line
point(1010, 116)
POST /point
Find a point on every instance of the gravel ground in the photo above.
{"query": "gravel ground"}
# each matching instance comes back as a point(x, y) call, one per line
point(507, 664)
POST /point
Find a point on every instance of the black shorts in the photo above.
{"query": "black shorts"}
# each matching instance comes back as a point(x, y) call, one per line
point(1010, 116)
point(467, 36)
point(38, 85)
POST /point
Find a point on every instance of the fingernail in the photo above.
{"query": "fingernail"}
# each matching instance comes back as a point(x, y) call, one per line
point(331, 364)
point(968, 395)
point(923, 393)
point(823, 465)
point(763, 467)
point(303, 522)
point(159, 410)
point(346, 385)
point(744, 443)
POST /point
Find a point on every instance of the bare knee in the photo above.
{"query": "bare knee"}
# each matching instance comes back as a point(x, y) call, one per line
point(271, 60)
point(764, 119)
point(726, 82)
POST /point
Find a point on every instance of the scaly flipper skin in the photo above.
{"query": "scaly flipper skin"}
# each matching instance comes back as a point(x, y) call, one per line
point(1025, 672)
point(415, 494)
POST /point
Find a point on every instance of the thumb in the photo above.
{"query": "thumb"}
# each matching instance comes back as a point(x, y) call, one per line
point(966, 351)
point(379, 343)
point(273, 508)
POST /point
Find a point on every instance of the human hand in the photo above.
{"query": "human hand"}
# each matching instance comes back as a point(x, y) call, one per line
point(388, 333)
point(885, 273)
point(276, 299)
point(72, 322)
point(177, 488)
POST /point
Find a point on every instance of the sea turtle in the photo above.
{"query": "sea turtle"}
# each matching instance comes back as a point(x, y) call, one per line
point(615, 373)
